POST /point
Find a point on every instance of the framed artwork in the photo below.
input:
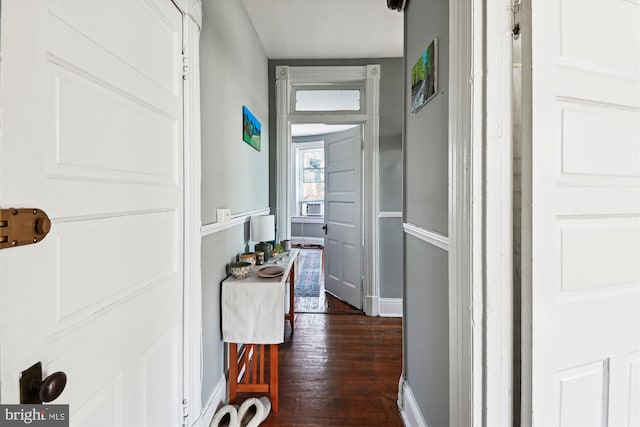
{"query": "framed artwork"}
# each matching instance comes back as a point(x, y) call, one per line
point(250, 128)
point(424, 77)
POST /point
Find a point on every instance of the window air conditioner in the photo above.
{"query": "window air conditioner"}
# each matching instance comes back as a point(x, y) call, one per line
point(313, 209)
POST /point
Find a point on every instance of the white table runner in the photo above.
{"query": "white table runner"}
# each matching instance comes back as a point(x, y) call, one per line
point(253, 308)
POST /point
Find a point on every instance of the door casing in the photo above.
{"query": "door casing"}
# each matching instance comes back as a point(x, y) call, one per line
point(369, 76)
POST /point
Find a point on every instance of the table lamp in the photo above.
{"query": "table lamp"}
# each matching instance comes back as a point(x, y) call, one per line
point(263, 231)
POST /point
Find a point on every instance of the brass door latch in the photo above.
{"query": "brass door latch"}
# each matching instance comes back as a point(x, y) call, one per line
point(20, 227)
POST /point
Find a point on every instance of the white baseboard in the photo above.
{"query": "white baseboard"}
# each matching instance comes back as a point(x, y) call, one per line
point(218, 396)
point(372, 306)
point(299, 240)
point(411, 414)
point(390, 307)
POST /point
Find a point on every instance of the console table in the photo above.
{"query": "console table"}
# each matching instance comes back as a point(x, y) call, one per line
point(253, 314)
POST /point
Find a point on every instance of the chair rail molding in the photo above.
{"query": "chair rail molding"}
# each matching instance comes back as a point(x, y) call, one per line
point(432, 237)
point(236, 219)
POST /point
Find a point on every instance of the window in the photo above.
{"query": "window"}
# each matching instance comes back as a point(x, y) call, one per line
point(308, 99)
point(312, 171)
point(307, 197)
point(327, 100)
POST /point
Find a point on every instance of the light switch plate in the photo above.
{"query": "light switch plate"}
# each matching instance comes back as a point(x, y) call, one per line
point(223, 215)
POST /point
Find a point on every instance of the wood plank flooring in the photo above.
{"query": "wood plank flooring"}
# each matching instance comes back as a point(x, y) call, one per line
point(339, 370)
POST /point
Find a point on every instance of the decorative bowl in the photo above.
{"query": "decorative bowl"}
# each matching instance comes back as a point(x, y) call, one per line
point(240, 270)
point(248, 257)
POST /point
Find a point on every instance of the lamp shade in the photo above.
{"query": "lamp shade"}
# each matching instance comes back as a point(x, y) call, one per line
point(263, 228)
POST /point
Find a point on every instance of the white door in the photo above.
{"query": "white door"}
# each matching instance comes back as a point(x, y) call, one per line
point(585, 218)
point(343, 215)
point(92, 134)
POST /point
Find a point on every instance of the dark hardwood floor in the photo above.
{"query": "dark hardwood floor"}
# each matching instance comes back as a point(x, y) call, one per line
point(339, 370)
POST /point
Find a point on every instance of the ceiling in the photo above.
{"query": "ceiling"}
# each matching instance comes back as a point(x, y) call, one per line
point(323, 29)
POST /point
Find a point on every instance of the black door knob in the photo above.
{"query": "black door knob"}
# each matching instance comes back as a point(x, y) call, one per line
point(51, 387)
point(35, 390)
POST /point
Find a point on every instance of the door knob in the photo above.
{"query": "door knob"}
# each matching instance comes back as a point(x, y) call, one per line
point(34, 390)
point(51, 387)
point(325, 228)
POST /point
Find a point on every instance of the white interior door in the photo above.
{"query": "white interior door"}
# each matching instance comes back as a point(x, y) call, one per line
point(585, 235)
point(92, 134)
point(343, 215)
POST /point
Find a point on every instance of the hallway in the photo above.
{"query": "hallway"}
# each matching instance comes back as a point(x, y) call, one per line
point(339, 370)
point(310, 295)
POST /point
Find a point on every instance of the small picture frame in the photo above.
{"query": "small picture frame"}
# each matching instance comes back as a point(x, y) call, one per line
point(250, 128)
point(424, 77)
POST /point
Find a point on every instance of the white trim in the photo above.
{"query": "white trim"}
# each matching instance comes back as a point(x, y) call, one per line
point(371, 190)
point(498, 215)
point(235, 220)
point(327, 75)
point(191, 9)
point(218, 396)
point(373, 302)
point(432, 237)
point(411, 414)
point(466, 38)
point(390, 307)
point(301, 240)
point(192, 299)
point(286, 77)
point(526, 346)
point(284, 184)
point(389, 214)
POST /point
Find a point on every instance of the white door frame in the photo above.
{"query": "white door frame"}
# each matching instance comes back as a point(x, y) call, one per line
point(480, 206)
point(192, 299)
point(286, 78)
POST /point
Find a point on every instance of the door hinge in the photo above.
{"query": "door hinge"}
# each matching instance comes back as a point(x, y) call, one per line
point(24, 226)
point(185, 67)
point(185, 412)
point(515, 19)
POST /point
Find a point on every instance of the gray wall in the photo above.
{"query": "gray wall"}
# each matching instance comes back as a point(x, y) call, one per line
point(426, 332)
point(233, 70)
point(390, 161)
point(426, 329)
point(299, 229)
point(233, 74)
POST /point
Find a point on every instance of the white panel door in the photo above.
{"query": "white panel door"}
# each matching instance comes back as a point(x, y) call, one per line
point(585, 212)
point(343, 215)
point(92, 134)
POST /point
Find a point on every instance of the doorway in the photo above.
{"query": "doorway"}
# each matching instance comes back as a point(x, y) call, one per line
point(326, 215)
point(358, 86)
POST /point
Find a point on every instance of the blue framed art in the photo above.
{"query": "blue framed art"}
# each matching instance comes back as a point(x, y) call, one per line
point(250, 128)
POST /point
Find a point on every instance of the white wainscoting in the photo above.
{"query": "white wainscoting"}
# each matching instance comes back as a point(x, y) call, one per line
point(236, 219)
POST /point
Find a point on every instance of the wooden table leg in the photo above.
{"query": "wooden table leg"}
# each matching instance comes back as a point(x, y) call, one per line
point(233, 372)
point(273, 386)
point(292, 288)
